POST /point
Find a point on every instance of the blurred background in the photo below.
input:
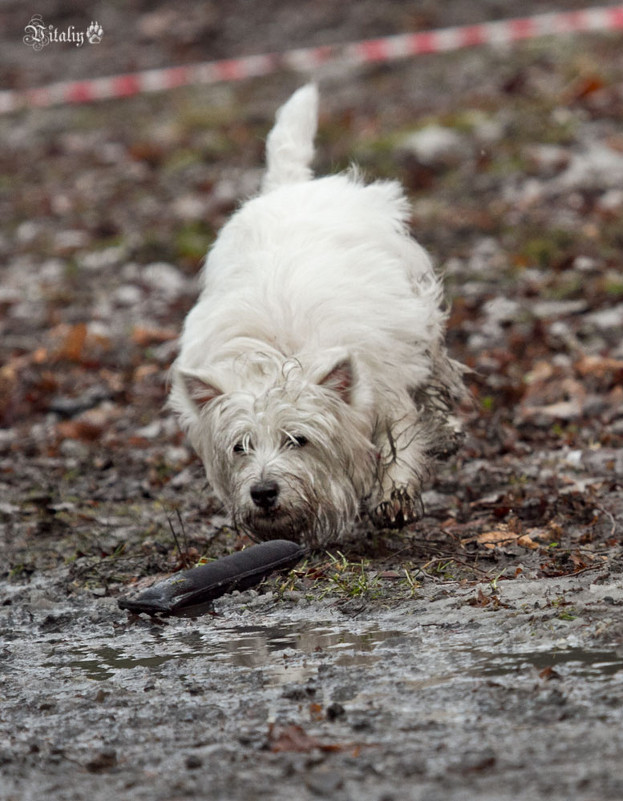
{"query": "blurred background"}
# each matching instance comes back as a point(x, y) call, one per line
point(512, 157)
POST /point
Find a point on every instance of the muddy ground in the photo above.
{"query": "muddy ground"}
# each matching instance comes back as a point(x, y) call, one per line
point(479, 653)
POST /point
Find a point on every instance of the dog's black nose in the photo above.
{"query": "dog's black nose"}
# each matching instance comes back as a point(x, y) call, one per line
point(265, 493)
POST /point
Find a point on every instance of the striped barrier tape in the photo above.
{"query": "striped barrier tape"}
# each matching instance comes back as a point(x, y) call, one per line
point(390, 48)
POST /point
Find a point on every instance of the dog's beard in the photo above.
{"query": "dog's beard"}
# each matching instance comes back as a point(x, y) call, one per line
point(307, 509)
point(314, 505)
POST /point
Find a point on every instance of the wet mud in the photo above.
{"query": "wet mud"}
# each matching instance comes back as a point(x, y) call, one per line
point(429, 698)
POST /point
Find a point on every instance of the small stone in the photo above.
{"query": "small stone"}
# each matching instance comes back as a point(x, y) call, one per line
point(611, 202)
point(335, 711)
point(164, 278)
point(103, 761)
point(189, 207)
point(324, 782)
point(606, 319)
point(127, 295)
point(70, 240)
point(435, 145)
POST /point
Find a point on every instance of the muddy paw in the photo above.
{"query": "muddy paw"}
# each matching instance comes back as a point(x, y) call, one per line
point(447, 444)
point(400, 510)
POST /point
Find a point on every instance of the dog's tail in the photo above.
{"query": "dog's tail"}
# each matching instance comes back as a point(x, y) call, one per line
point(290, 144)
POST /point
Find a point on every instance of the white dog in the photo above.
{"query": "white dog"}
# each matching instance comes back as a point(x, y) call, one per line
point(312, 377)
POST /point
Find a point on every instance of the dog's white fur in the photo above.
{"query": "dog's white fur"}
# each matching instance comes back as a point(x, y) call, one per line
point(312, 378)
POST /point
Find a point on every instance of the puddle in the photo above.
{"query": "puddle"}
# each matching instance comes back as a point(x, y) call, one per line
point(577, 661)
point(245, 647)
point(290, 653)
point(102, 663)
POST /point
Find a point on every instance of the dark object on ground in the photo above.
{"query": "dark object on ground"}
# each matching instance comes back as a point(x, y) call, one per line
point(191, 592)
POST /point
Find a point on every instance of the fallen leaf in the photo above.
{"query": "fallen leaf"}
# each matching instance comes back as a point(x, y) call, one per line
point(152, 336)
point(79, 429)
point(292, 737)
point(39, 356)
point(548, 673)
point(145, 371)
point(496, 538)
point(73, 345)
point(526, 542)
point(493, 600)
point(557, 398)
point(584, 87)
point(606, 371)
point(581, 560)
point(91, 424)
point(480, 600)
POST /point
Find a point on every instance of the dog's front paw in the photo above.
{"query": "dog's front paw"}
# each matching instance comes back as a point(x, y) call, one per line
point(448, 441)
point(399, 510)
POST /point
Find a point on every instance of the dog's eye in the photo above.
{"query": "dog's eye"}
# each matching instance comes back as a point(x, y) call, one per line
point(242, 447)
point(295, 441)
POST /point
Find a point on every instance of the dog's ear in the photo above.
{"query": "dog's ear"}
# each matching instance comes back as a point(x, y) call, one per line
point(200, 390)
point(340, 379)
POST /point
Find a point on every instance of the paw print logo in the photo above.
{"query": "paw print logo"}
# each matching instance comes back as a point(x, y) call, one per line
point(95, 33)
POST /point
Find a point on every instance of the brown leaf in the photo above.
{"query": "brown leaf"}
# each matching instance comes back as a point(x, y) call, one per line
point(492, 601)
point(497, 537)
point(144, 337)
point(481, 599)
point(79, 429)
point(548, 673)
point(149, 152)
point(8, 392)
point(73, 345)
point(145, 371)
point(90, 425)
point(291, 737)
point(606, 372)
point(39, 356)
point(526, 542)
point(557, 398)
point(580, 560)
point(584, 87)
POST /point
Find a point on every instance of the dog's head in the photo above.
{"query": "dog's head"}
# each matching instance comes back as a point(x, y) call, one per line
point(284, 446)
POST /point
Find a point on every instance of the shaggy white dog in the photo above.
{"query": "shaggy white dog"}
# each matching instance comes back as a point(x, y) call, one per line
point(312, 378)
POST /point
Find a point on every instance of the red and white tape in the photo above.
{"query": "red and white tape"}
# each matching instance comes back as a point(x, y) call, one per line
point(605, 18)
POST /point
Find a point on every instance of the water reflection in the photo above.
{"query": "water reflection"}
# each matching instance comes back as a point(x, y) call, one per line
point(292, 652)
point(578, 661)
point(243, 646)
